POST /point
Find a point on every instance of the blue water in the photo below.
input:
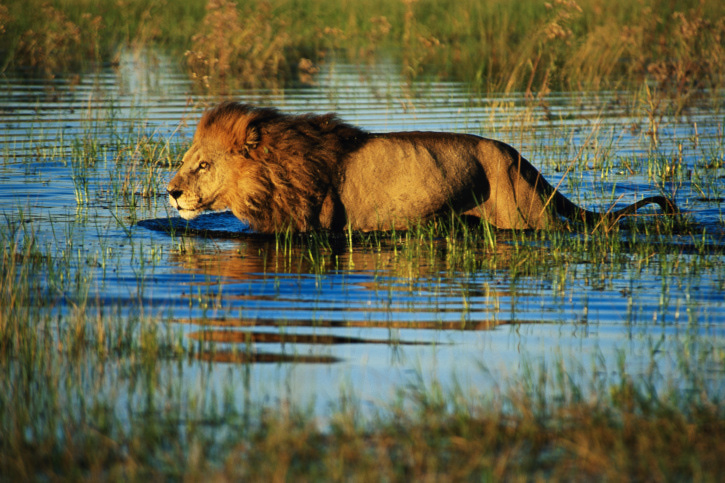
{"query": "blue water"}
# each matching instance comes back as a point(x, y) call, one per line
point(83, 172)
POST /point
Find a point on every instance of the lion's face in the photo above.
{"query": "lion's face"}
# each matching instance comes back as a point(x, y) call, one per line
point(203, 182)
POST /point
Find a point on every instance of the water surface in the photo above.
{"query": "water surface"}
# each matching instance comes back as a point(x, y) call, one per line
point(83, 174)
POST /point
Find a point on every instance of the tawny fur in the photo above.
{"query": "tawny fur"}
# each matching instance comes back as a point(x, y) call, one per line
point(302, 173)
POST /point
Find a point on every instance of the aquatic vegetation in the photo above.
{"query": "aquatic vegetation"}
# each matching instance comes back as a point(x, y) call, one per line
point(431, 434)
point(93, 388)
point(53, 43)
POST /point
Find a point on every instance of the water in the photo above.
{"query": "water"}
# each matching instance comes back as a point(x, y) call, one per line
point(83, 174)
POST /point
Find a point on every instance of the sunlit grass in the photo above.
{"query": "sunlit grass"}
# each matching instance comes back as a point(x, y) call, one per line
point(527, 46)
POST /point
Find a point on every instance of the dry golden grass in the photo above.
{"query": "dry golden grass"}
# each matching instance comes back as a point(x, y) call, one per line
point(500, 46)
point(243, 48)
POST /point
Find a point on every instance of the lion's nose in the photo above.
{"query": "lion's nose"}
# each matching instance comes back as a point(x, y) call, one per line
point(175, 193)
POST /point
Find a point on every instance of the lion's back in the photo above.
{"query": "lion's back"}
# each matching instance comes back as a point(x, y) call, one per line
point(397, 178)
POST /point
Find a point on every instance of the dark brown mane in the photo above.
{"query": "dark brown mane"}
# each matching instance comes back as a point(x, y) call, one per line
point(296, 160)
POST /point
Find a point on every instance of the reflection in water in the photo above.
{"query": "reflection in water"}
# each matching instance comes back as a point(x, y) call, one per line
point(237, 357)
point(368, 324)
point(245, 337)
point(318, 292)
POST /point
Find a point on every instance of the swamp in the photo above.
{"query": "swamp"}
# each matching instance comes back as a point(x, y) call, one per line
point(137, 345)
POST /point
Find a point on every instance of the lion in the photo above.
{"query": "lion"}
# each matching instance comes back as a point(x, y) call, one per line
point(282, 172)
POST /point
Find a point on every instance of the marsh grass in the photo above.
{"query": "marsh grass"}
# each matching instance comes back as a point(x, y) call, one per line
point(53, 426)
point(239, 48)
point(527, 46)
point(458, 247)
point(435, 435)
point(53, 338)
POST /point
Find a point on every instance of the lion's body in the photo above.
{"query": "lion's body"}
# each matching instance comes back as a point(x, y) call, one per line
point(399, 178)
point(314, 172)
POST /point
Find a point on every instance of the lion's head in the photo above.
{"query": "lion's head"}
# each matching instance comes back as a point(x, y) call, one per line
point(273, 170)
point(209, 175)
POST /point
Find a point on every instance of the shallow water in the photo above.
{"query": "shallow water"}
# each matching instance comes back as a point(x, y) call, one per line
point(83, 175)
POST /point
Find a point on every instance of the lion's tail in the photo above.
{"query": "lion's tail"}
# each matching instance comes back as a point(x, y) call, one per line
point(667, 205)
point(568, 209)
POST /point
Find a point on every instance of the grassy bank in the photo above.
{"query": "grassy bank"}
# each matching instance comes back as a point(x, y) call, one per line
point(500, 45)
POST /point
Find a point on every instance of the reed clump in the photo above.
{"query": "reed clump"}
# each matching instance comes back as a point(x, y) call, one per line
point(500, 46)
point(52, 42)
point(629, 439)
point(239, 47)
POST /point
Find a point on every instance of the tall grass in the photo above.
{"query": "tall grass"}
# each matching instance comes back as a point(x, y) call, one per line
point(533, 46)
point(430, 437)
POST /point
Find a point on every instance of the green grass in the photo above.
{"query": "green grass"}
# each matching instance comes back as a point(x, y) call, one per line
point(528, 46)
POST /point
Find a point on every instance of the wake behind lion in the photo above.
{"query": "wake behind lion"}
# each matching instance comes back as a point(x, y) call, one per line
point(310, 172)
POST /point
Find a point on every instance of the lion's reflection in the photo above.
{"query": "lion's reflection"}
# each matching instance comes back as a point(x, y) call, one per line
point(387, 267)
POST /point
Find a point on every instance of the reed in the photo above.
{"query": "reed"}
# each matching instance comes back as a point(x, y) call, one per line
point(501, 46)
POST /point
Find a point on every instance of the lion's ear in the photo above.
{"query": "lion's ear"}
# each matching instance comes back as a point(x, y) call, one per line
point(251, 140)
point(240, 135)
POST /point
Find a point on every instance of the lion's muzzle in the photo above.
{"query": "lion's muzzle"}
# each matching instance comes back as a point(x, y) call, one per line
point(175, 200)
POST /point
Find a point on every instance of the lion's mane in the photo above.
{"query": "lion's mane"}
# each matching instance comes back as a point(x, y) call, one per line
point(290, 165)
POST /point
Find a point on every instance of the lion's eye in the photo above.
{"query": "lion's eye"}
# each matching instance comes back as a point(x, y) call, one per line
point(203, 165)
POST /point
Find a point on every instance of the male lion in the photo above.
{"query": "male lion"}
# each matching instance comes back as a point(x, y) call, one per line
point(311, 172)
